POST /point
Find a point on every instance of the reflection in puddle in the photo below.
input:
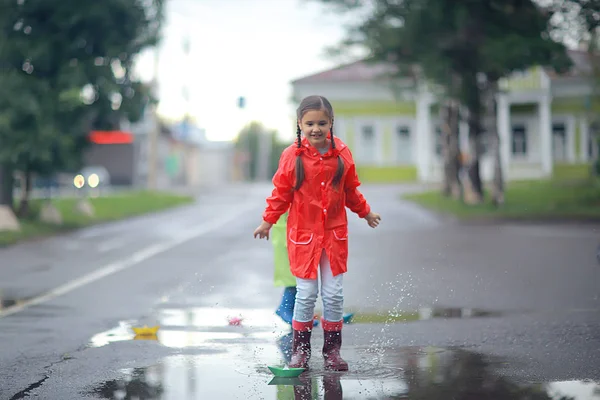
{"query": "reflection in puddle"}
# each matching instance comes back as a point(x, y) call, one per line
point(430, 312)
point(220, 361)
point(141, 383)
point(422, 314)
point(201, 327)
point(194, 326)
point(574, 390)
point(415, 373)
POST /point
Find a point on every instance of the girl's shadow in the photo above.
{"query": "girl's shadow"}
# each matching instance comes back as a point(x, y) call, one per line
point(331, 386)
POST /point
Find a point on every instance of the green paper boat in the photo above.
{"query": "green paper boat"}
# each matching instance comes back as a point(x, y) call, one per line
point(277, 381)
point(286, 372)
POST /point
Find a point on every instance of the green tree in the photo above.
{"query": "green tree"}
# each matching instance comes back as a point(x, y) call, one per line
point(518, 37)
point(463, 48)
point(249, 142)
point(67, 68)
point(579, 22)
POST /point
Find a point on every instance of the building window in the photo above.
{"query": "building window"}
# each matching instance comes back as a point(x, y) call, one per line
point(559, 141)
point(403, 145)
point(519, 140)
point(368, 132)
point(438, 141)
point(368, 145)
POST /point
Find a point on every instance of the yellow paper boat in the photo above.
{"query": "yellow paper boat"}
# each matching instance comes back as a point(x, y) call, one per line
point(146, 331)
point(145, 337)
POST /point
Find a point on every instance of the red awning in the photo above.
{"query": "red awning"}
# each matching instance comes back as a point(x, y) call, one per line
point(111, 137)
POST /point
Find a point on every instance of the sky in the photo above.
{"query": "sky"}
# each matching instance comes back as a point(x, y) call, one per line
point(249, 48)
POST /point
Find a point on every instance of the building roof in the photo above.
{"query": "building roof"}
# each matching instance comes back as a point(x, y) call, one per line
point(581, 66)
point(363, 71)
point(358, 71)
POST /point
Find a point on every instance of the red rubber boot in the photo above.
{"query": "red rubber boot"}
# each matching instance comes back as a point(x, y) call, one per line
point(301, 350)
point(332, 344)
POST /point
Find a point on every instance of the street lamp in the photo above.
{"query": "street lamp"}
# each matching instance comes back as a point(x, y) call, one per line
point(155, 127)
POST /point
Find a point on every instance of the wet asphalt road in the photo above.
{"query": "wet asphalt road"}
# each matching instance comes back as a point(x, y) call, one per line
point(498, 310)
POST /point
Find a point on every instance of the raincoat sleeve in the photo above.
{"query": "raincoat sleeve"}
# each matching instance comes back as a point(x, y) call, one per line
point(355, 200)
point(281, 197)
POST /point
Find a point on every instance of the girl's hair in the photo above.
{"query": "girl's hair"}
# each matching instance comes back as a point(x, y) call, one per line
point(315, 103)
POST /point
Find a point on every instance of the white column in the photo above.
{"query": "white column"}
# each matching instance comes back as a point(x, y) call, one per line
point(584, 134)
point(504, 131)
point(571, 132)
point(545, 133)
point(424, 136)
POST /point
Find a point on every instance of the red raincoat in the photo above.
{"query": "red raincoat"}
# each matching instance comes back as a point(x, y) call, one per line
point(317, 217)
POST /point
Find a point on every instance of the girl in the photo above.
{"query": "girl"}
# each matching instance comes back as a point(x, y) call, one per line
point(315, 180)
point(283, 276)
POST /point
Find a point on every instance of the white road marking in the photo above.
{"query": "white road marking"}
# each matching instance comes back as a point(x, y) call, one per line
point(128, 262)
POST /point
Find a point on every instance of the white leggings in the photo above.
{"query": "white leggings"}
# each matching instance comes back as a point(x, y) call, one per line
point(331, 292)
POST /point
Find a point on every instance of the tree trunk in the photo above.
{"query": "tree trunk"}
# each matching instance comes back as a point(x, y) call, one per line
point(25, 193)
point(475, 186)
point(449, 117)
point(6, 187)
point(498, 179)
point(492, 130)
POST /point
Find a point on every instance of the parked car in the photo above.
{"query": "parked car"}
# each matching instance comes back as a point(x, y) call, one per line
point(93, 177)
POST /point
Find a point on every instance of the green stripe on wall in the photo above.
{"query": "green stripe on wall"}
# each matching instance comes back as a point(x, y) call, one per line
point(573, 105)
point(530, 80)
point(381, 108)
point(523, 108)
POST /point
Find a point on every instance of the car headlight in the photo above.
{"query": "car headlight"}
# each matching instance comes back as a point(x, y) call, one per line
point(93, 180)
point(79, 181)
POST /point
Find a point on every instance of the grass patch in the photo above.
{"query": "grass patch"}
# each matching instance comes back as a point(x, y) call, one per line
point(552, 199)
point(384, 318)
point(109, 208)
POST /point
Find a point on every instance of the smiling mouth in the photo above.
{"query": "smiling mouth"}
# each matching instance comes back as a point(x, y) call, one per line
point(316, 135)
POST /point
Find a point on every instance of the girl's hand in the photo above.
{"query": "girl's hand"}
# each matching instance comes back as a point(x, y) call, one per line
point(373, 219)
point(263, 230)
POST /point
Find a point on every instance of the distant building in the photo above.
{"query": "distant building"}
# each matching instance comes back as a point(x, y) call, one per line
point(115, 151)
point(185, 158)
point(393, 129)
point(210, 163)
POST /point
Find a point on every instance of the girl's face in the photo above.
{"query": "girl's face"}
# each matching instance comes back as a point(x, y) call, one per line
point(315, 125)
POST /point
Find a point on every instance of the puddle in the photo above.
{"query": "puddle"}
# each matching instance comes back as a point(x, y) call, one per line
point(11, 301)
point(8, 301)
point(197, 326)
point(423, 314)
point(201, 327)
point(202, 324)
point(415, 373)
point(213, 359)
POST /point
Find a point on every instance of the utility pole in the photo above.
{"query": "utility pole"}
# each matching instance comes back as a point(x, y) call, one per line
point(264, 155)
point(268, 152)
point(186, 46)
point(248, 154)
point(154, 129)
